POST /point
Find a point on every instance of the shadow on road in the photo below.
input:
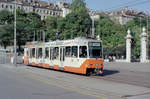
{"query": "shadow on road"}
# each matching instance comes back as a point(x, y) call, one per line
point(110, 72)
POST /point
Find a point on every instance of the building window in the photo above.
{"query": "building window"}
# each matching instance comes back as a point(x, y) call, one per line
point(37, 10)
point(2, 6)
point(18, 7)
point(50, 12)
point(6, 6)
point(10, 6)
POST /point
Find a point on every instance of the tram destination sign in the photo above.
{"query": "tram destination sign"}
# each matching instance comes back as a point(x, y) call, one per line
point(94, 44)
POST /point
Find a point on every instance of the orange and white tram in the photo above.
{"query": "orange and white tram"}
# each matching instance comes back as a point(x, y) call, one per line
point(80, 55)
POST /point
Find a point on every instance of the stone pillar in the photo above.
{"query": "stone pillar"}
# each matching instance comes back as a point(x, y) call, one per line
point(144, 39)
point(128, 46)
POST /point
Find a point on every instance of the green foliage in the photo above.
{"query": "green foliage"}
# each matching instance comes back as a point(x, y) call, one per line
point(5, 17)
point(111, 33)
point(26, 23)
point(51, 24)
point(78, 6)
point(78, 22)
point(136, 26)
point(6, 35)
point(75, 24)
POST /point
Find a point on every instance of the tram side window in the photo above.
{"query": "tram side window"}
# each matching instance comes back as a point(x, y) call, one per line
point(46, 52)
point(40, 53)
point(33, 52)
point(74, 52)
point(51, 53)
point(68, 52)
point(83, 52)
point(36, 52)
point(55, 53)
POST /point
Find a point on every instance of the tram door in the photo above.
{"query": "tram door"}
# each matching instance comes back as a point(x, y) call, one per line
point(62, 56)
point(26, 56)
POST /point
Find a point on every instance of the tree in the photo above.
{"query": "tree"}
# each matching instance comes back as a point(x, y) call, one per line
point(5, 28)
point(5, 17)
point(51, 24)
point(136, 26)
point(6, 35)
point(111, 33)
point(35, 24)
point(78, 22)
point(26, 24)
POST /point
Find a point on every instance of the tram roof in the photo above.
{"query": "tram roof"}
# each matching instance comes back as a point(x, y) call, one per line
point(79, 40)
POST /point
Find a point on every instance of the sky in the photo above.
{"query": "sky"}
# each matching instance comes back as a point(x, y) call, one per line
point(109, 5)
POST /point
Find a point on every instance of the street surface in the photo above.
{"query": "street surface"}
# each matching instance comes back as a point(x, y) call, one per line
point(129, 73)
point(118, 82)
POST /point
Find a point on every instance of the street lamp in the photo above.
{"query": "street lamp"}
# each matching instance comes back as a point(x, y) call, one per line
point(15, 56)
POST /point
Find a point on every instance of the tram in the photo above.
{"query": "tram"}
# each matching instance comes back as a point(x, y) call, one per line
point(79, 55)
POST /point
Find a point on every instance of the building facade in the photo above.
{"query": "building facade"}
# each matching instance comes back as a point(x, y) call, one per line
point(125, 15)
point(44, 9)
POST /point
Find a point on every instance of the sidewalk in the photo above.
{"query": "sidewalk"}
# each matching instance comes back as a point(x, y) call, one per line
point(137, 67)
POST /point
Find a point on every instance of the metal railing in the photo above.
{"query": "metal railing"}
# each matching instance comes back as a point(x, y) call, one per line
point(5, 57)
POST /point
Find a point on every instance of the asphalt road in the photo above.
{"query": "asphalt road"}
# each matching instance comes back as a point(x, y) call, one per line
point(128, 73)
point(23, 82)
point(15, 85)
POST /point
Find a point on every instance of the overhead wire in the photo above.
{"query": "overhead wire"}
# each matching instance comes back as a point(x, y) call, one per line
point(129, 5)
point(122, 4)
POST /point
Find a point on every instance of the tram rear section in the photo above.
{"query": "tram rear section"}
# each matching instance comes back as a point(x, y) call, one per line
point(80, 55)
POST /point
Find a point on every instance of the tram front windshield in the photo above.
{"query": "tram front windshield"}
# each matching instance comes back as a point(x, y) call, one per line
point(95, 50)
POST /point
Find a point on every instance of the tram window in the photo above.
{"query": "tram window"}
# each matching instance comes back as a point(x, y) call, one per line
point(36, 52)
point(68, 52)
point(55, 53)
point(30, 53)
point(51, 53)
point(95, 50)
point(46, 52)
point(40, 53)
point(83, 52)
point(74, 51)
point(33, 52)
